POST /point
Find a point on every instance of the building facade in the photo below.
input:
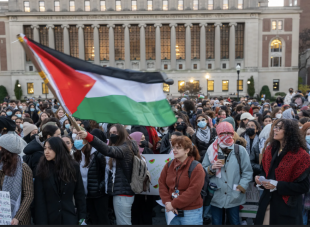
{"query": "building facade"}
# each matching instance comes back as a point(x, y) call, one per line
point(189, 40)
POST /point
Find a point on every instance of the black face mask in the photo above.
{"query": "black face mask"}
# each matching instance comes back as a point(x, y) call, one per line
point(291, 91)
point(144, 143)
point(180, 127)
point(250, 131)
point(199, 111)
point(114, 138)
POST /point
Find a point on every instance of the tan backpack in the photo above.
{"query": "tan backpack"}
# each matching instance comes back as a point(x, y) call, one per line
point(141, 177)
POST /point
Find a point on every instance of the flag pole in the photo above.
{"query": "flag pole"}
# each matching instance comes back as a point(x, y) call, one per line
point(43, 76)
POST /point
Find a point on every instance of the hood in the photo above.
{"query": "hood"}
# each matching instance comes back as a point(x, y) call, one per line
point(265, 132)
point(287, 114)
point(33, 147)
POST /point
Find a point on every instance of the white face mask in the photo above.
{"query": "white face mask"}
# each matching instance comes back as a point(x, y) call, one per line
point(73, 136)
point(278, 116)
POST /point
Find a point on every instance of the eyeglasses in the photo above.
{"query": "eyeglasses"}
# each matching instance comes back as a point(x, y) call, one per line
point(277, 128)
point(203, 119)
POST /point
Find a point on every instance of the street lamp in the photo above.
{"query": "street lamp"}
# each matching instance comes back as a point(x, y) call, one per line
point(20, 95)
point(191, 80)
point(207, 77)
point(238, 72)
point(249, 82)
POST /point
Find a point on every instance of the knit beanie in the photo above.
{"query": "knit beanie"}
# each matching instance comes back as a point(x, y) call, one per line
point(28, 128)
point(12, 143)
point(230, 120)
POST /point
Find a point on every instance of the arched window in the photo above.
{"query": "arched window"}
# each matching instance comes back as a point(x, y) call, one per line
point(276, 46)
point(276, 53)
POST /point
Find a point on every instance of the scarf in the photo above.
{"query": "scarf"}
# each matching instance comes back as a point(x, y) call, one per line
point(13, 185)
point(248, 142)
point(294, 167)
point(203, 134)
point(153, 137)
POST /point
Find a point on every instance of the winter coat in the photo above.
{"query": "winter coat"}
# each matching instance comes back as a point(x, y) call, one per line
point(165, 146)
point(288, 98)
point(33, 152)
point(34, 116)
point(254, 158)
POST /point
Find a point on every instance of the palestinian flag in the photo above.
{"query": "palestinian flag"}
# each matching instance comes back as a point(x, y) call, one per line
point(105, 94)
point(201, 97)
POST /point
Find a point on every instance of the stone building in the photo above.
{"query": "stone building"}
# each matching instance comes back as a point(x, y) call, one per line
point(189, 40)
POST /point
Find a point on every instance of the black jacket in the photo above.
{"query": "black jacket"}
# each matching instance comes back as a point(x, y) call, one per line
point(33, 152)
point(138, 128)
point(34, 116)
point(124, 163)
point(53, 203)
point(96, 176)
point(165, 146)
point(203, 146)
point(254, 158)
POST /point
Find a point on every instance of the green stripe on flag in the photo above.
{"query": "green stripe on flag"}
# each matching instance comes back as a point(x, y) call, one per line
point(123, 110)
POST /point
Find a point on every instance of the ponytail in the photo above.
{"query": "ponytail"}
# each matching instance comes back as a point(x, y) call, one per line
point(194, 153)
point(186, 143)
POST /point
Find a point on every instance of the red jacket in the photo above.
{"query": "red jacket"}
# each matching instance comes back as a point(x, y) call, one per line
point(189, 198)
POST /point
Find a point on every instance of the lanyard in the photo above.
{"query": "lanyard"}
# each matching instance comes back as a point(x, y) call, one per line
point(177, 180)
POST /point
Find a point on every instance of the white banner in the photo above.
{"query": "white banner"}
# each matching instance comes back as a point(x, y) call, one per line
point(5, 208)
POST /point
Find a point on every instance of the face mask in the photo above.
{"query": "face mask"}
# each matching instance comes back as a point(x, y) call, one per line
point(249, 103)
point(21, 126)
point(202, 124)
point(278, 116)
point(73, 136)
point(20, 107)
point(32, 109)
point(100, 124)
point(250, 131)
point(225, 141)
point(308, 139)
point(67, 126)
point(18, 115)
point(114, 138)
point(180, 127)
point(38, 104)
point(9, 113)
point(144, 143)
point(199, 111)
point(79, 144)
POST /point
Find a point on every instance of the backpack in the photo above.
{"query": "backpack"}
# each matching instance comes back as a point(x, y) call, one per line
point(204, 190)
point(140, 177)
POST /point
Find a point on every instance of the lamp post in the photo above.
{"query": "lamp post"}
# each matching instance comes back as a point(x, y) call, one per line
point(207, 77)
point(238, 72)
point(18, 85)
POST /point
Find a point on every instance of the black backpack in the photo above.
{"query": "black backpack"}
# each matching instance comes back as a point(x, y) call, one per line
point(204, 190)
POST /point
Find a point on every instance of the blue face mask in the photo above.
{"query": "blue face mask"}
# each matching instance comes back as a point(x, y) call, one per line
point(202, 124)
point(67, 126)
point(9, 113)
point(308, 139)
point(79, 144)
point(18, 115)
point(32, 109)
point(38, 104)
point(249, 103)
point(21, 126)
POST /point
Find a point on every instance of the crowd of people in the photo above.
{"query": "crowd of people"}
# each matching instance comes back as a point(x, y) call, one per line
point(59, 175)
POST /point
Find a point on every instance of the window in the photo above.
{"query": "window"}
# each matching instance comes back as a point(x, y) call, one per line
point(134, 34)
point(149, 5)
point(240, 88)
point(74, 41)
point(276, 46)
point(134, 5)
point(209, 66)
point(166, 87)
point(239, 41)
point(180, 66)
point(210, 85)
point(102, 6)
point(165, 66)
point(210, 41)
point(56, 6)
point(224, 66)
point(43, 35)
point(276, 3)
point(240, 4)
point(275, 61)
point(180, 42)
point(104, 43)
point(30, 68)
point(89, 43)
point(26, 7)
point(165, 41)
point(195, 41)
point(274, 25)
point(181, 86)
point(150, 42)
point(195, 66)
point(41, 7)
point(165, 5)
point(119, 42)
point(118, 5)
point(87, 6)
point(276, 53)
point(277, 25)
point(30, 88)
point(291, 2)
point(224, 41)
point(195, 5)
point(180, 5)
point(58, 37)
point(225, 4)
point(44, 88)
point(280, 25)
point(196, 84)
point(295, 2)
point(28, 31)
point(210, 4)
point(225, 85)
point(276, 85)
point(72, 6)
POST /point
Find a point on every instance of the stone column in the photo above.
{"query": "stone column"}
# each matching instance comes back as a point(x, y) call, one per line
point(142, 47)
point(66, 38)
point(96, 44)
point(203, 46)
point(127, 46)
point(217, 45)
point(81, 41)
point(173, 46)
point(158, 47)
point(188, 57)
point(111, 45)
point(51, 38)
point(232, 45)
point(36, 36)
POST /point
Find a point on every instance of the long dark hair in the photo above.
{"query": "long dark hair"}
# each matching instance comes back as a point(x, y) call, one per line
point(63, 162)
point(78, 155)
point(205, 117)
point(49, 130)
point(9, 161)
point(258, 127)
point(171, 128)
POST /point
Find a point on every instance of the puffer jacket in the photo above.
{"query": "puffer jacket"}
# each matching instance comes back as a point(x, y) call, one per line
point(124, 163)
point(254, 158)
point(33, 153)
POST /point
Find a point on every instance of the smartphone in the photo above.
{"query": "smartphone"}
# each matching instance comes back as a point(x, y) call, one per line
point(180, 213)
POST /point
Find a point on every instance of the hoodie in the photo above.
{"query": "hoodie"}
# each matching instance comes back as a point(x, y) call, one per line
point(287, 114)
point(33, 153)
